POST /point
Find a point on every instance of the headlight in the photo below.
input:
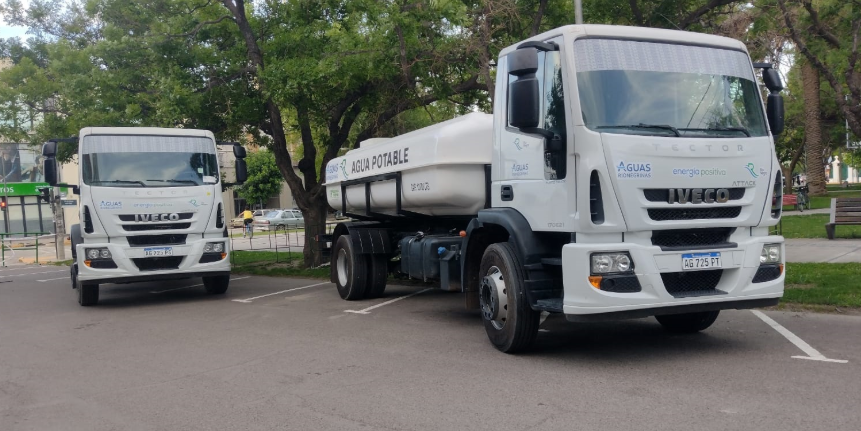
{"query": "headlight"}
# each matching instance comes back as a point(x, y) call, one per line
point(770, 254)
point(98, 253)
point(213, 247)
point(604, 263)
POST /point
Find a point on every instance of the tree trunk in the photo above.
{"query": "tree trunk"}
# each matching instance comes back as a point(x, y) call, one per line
point(315, 224)
point(812, 130)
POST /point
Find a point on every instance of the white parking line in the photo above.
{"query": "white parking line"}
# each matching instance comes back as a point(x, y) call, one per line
point(812, 354)
point(367, 310)
point(193, 285)
point(33, 273)
point(54, 279)
point(248, 300)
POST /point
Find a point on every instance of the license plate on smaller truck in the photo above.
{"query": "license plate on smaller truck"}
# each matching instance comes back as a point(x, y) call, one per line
point(697, 261)
point(158, 251)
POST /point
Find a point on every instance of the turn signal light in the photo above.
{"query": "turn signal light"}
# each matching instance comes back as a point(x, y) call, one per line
point(781, 268)
point(595, 281)
point(87, 262)
point(462, 234)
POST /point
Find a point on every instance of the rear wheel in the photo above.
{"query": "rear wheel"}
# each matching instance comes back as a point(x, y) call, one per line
point(509, 322)
point(349, 270)
point(378, 274)
point(688, 323)
point(217, 284)
point(88, 294)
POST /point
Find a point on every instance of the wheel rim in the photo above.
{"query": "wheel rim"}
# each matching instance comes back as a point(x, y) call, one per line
point(341, 267)
point(493, 298)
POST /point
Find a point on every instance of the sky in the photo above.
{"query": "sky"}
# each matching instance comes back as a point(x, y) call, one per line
point(7, 31)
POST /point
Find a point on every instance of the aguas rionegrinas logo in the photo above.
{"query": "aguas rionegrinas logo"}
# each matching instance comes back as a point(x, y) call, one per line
point(344, 168)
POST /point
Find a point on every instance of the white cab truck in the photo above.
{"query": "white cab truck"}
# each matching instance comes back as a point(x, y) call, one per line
point(625, 172)
point(150, 208)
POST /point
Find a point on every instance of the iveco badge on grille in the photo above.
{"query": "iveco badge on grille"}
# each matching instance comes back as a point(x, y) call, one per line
point(698, 196)
point(154, 218)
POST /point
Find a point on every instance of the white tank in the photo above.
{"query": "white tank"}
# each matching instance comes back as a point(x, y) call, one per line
point(442, 170)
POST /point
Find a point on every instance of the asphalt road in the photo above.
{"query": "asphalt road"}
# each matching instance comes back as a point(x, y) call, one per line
point(282, 354)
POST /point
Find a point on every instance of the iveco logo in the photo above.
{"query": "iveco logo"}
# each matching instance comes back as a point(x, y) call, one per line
point(698, 196)
point(156, 217)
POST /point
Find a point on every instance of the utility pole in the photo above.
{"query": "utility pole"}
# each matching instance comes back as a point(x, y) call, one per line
point(59, 224)
point(578, 11)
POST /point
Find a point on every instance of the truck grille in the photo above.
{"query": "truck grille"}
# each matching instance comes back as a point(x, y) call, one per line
point(161, 226)
point(167, 239)
point(665, 214)
point(716, 237)
point(663, 195)
point(131, 217)
point(692, 283)
point(157, 263)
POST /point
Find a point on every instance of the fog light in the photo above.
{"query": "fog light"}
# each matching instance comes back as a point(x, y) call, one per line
point(605, 263)
point(105, 253)
point(770, 254)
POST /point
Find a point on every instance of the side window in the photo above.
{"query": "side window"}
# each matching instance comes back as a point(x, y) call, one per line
point(555, 153)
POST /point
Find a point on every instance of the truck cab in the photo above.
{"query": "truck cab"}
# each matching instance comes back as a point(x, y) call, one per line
point(150, 208)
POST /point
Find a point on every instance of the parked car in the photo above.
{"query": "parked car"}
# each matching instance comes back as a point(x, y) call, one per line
point(238, 222)
point(279, 220)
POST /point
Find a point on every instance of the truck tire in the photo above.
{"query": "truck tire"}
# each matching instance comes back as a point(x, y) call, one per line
point(378, 274)
point(688, 323)
point(75, 237)
point(73, 272)
point(350, 270)
point(511, 324)
point(88, 294)
point(217, 284)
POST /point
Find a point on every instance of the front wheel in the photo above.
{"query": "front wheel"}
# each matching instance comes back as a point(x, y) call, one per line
point(688, 323)
point(88, 294)
point(511, 324)
point(217, 284)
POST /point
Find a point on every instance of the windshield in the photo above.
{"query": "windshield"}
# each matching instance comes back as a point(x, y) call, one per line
point(148, 161)
point(647, 88)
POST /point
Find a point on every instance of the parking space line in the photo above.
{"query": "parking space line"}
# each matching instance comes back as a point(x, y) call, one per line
point(812, 354)
point(367, 310)
point(54, 279)
point(33, 273)
point(248, 300)
point(193, 285)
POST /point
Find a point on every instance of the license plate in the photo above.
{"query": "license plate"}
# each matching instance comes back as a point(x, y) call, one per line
point(696, 261)
point(158, 251)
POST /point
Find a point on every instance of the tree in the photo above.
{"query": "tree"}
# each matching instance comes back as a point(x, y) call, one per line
point(813, 130)
point(264, 178)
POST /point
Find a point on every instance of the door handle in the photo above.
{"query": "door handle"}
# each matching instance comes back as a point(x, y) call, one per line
point(507, 193)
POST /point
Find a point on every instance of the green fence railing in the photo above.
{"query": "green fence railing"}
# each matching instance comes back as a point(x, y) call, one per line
point(5, 236)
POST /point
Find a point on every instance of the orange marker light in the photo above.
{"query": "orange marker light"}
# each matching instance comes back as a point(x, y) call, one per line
point(781, 269)
point(87, 262)
point(223, 255)
point(595, 281)
point(463, 234)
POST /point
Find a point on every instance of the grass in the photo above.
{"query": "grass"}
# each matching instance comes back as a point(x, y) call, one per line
point(272, 263)
point(60, 262)
point(813, 226)
point(822, 286)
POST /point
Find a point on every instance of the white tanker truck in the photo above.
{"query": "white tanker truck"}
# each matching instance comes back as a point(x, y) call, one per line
point(625, 172)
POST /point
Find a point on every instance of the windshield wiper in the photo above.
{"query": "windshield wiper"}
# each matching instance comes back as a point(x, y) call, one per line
point(722, 129)
point(644, 126)
point(121, 182)
point(178, 181)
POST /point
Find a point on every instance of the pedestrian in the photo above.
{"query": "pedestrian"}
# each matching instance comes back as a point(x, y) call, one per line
point(247, 217)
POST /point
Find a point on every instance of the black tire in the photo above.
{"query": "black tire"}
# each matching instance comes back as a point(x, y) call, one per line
point(378, 274)
point(217, 284)
point(519, 322)
point(88, 294)
point(73, 272)
point(688, 323)
point(75, 237)
point(349, 270)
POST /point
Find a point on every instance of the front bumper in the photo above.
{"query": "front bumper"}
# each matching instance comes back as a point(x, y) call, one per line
point(735, 288)
point(132, 265)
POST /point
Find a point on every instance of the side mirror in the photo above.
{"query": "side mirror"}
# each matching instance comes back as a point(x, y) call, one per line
point(774, 113)
point(771, 79)
point(238, 151)
point(49, 170)
point(523, 98)
point(49, 149)
point(523, 62)
point(241, 170)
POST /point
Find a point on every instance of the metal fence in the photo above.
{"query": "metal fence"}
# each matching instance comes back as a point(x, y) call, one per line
point(287, 241)
point(6, 238)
